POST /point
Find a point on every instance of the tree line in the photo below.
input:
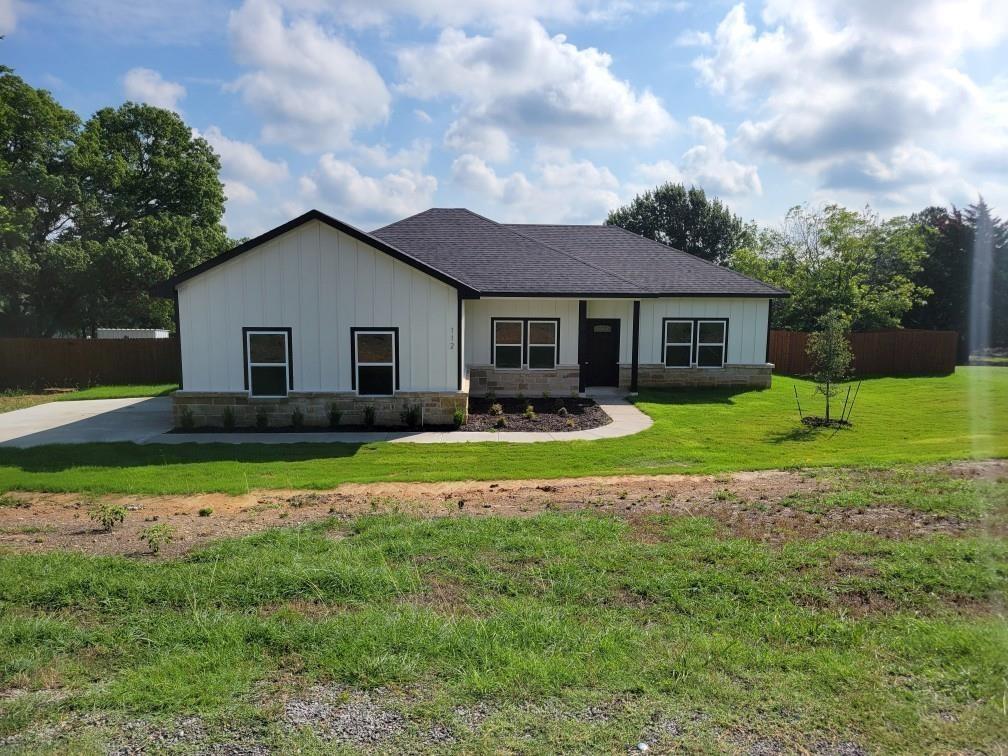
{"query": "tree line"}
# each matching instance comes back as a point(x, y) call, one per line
point(93, 213)
point(910, 271)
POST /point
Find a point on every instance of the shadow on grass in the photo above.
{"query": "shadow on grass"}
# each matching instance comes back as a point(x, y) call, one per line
point(701, 395)
point(798, 433)
point(59, 457)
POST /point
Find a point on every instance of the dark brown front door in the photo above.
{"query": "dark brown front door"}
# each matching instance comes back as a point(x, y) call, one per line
point(602, 360)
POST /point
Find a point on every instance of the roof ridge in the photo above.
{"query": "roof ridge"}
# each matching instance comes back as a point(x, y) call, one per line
point(697, 257)
point(560, 251)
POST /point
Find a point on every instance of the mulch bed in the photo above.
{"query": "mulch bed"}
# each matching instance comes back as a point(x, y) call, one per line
point(551, 415)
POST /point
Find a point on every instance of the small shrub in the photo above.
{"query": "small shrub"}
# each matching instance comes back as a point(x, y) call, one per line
point(186, 421)
point(106, 514)
point(9, 501)
point(458, 416)
point(369, 416)
point(229, 419)
point(297, 418)
point(412, 416)
point(570, 422)
point(530, 412)
point(157, 536)
point(335, 415)
point(562, 411)
point(262, 420)
point(496, 409)
point(501, 422)
point(546, 396)
point(205, 512)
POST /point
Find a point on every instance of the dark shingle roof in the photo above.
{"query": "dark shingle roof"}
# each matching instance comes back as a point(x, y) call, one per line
point(515, 259)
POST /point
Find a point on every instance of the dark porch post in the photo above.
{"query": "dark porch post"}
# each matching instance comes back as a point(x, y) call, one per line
point(635, 339)
point(582, 342)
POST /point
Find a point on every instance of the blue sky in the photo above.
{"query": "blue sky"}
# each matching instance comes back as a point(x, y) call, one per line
point(528, 110)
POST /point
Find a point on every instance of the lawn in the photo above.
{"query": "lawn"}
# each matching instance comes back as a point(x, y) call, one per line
point(700, 430)
point(15, 399)
point(562, 631)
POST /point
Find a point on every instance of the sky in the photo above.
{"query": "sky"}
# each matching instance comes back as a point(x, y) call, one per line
point(548, 110)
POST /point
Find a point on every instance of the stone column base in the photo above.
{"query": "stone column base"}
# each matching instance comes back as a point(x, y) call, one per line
point(756, 376)
point(486, 379)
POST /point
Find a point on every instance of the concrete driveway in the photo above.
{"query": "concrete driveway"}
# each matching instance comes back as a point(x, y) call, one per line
point(86, 421)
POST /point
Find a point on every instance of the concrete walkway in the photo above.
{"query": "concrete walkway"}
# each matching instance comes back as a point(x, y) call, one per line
point(148, 421)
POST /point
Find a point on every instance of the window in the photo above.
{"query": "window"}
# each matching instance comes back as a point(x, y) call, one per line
point(268, 362)
point(375, 372)
point(507, 343)
point(710, 350)
point(678, 343)
point(542, 344)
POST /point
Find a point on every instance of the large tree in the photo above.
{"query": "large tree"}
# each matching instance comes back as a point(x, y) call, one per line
point(833, 258)
point(94, 214)
point(685, 219)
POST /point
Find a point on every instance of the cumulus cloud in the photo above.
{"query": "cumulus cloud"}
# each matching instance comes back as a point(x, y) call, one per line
point(379, 156)
point(243, 161)
point(575, 191)
point(520, 81)
point(147, 85)
point(367, 200)
point(311, 89)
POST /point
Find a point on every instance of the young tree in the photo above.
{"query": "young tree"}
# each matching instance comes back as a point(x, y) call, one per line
point(831, 355)
point(685, 219)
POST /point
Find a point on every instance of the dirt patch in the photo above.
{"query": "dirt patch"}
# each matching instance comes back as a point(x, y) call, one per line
point(548, 415)
point(748, 504)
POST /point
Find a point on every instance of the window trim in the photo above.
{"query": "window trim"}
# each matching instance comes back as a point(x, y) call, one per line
point(247, 332)
point(694, 349)
point(493, 342)
point(555, 322)
point(666, 343)
point(723, 343)
point(394, 330)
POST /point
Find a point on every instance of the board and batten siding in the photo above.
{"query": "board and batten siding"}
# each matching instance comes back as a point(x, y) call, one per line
point(319, 282)
point(747, 325)
point(478, 313)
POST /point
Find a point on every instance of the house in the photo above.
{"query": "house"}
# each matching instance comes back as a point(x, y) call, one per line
point(448, 304)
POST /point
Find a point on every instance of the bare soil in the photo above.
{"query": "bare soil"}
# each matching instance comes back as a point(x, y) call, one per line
point(746, 504)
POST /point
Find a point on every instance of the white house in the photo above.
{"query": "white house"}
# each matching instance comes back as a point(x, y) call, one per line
point(447, 304)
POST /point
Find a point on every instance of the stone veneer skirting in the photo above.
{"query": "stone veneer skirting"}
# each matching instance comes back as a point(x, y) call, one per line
point(208, 407)
point(756, 376)
point(486, 379)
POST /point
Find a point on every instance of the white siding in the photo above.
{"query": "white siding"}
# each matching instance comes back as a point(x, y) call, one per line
point(747, 325)
point(319, 282)
point(477, 324)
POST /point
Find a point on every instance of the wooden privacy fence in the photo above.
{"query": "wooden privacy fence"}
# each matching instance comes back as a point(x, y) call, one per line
point(898, 351)
point(44, 363)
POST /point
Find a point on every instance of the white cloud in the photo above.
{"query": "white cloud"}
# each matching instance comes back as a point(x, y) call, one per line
point(9, 10)
point(379, 156)
point(238, 192)
point(575, 191)
point(367, 200)
point(147, 85)
point(519, 81)
point(311, 89)
point(422, 115)
point(692, 38)
point(243, 161)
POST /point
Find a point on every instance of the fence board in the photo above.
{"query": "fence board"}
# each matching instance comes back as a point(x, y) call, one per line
point(899, 351)
point(43, 363)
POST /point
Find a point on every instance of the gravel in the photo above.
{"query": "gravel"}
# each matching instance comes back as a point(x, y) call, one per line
point(352, 717)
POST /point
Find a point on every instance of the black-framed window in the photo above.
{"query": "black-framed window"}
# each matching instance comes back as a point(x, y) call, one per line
point(711, 341)
point(542, 344)
point(375, 360)
point(678, 345)
point(508, 343)
point(694, 342)
point(269, 364)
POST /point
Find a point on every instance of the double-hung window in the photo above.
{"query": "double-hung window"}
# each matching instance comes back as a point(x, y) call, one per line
point(542, 344)
point(678, 343)
point(267, 362)
point(710, 351)
point(374, 361)
point(508, 343)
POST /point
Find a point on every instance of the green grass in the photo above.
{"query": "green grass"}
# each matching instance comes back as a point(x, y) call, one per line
point(701, 430)
point(14, 399)
point(895, 645)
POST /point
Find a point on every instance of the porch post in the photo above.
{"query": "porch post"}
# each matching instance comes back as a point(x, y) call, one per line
point(635, 339)
point(458, 337)
point(582, 342)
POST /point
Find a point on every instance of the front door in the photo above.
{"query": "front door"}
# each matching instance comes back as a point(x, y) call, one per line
point(602, 359)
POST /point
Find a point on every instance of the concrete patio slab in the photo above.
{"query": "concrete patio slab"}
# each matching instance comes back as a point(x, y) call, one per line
point(148, 421)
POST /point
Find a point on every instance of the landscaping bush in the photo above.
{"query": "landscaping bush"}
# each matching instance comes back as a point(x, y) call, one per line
point(157, 536)
point(412, 416)
point(205, 512)
point(335, 415)
point(458, 416)
point(297, 418)
point(496, 409)
point(369, 416)
point(501, 422)
point(530, 412)
point(106, 514)
point(262, 420)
